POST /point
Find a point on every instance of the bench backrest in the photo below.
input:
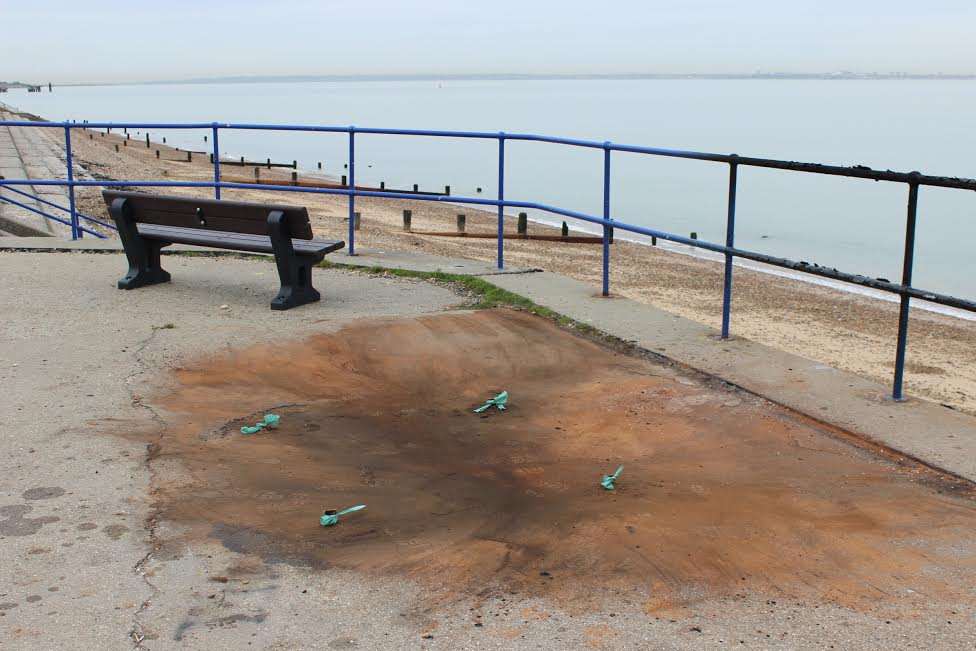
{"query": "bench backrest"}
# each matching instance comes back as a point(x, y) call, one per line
point(209, 214)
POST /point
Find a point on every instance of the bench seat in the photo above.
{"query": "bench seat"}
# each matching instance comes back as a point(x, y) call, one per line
point(234, 241)
point(148, 222)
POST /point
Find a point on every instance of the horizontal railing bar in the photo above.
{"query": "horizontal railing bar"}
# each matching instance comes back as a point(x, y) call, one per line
point(857, 171)
point(861, 172)
point(367, 130)
point(804, 267)
point(49, 216)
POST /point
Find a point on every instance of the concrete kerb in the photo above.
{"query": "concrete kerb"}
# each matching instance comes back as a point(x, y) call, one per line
point(366, 258)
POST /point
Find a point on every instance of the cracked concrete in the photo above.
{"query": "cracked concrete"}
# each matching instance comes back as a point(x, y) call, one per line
point(138, 632)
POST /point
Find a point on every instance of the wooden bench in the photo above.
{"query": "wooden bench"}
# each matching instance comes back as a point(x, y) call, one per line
point(148, 222)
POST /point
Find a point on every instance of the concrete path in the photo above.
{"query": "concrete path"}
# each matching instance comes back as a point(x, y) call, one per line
point(33, 153)
point(81, 565)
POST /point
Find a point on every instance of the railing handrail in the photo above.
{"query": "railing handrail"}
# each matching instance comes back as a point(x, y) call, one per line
point(914, 180)
point(852, 171)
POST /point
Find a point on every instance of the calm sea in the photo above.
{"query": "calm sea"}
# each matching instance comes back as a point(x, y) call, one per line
point(849, 224)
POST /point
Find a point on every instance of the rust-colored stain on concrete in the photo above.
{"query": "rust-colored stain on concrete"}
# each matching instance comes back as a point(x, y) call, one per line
point(722, 494)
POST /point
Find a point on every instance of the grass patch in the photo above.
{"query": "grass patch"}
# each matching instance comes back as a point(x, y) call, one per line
point(484, 294)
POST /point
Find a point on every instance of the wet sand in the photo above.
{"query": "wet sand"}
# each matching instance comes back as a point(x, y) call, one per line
point(722, 495)
point(844, 330)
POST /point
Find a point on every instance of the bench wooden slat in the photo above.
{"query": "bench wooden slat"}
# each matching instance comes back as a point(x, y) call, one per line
point(234, 241)
point(223, 216)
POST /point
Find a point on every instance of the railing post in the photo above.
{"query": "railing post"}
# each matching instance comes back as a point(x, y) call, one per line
point(729, 242)
point(216, 162)
point(352, 190)
point(501, 200)
point(76, 233)
point(906, 281)
point(606, 216)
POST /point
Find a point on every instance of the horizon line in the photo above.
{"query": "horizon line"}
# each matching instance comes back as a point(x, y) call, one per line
point(509, 76)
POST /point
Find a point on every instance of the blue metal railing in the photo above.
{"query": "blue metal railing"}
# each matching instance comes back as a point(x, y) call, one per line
point(67, 222)
point(914, 180)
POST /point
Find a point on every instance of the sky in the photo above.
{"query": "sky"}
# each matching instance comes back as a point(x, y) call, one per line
point(113, 41)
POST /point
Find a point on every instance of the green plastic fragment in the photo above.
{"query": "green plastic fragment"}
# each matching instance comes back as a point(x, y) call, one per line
point(330, 518)
point(270, 421)
point(608, 480)
point(498, 401)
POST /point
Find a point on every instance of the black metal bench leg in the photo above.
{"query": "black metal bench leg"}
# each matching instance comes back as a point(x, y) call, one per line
point(142, 254)
point(296, 283)
point(295, 271)
point(145, 268)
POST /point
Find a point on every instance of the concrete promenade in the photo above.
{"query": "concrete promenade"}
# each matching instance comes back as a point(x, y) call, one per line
point(87, 562)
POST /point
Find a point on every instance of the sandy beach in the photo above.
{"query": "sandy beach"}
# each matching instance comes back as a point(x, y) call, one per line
point(841, 329)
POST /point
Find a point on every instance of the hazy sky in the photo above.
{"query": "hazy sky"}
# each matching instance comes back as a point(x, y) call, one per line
point(138, 40)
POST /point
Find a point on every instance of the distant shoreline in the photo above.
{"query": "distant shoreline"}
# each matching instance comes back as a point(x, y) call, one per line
point(759, 76)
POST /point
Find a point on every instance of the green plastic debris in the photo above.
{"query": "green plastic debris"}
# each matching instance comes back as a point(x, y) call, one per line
point(608, 480)
point(331, 517)
point(270, 421)
point(498, 401)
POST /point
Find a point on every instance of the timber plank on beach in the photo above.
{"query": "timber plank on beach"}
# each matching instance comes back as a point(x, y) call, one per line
point(326, 185)
point(572, 239)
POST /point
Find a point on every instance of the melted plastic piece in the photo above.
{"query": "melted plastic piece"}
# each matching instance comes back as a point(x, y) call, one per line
point(608, 480)
point(270, 421)
point(498, 401)
point(330, 518)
